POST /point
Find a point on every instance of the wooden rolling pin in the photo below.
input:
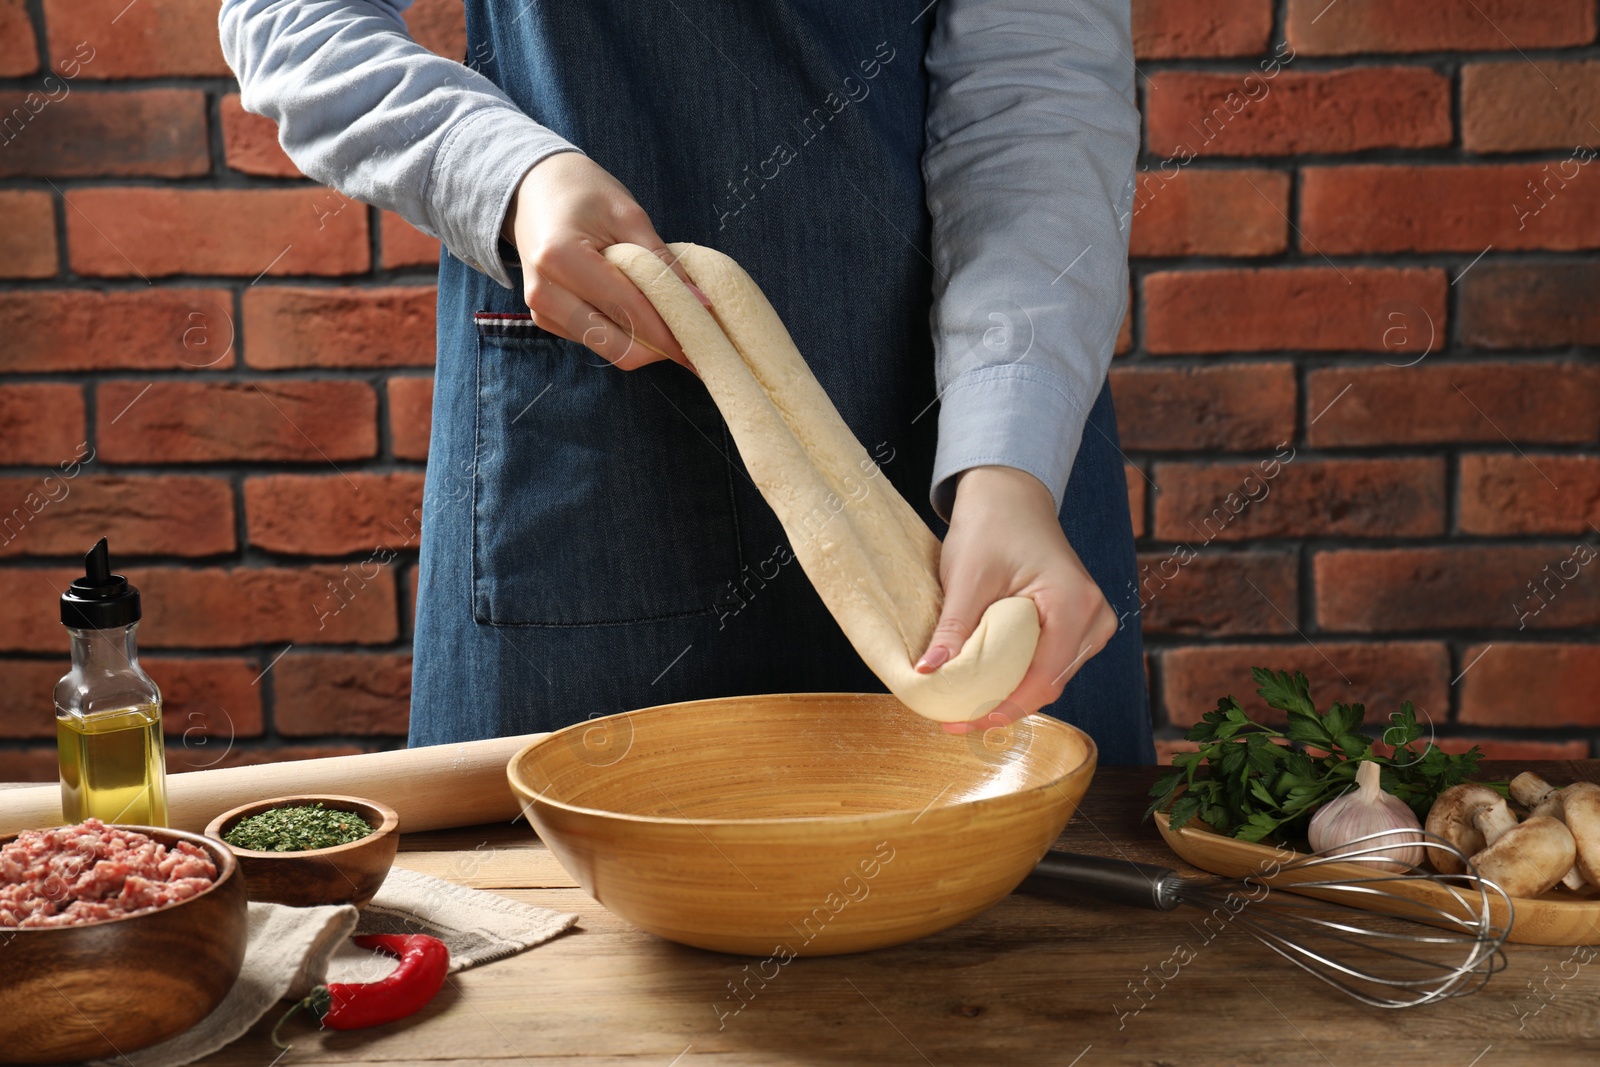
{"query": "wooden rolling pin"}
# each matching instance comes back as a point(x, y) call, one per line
point(430, 788)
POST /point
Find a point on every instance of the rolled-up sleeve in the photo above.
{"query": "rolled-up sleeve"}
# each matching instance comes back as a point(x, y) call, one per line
point(1032, 136)
point(363, 108)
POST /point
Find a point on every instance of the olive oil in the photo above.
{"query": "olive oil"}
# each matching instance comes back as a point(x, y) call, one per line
point(108, 710)
point(112, 766)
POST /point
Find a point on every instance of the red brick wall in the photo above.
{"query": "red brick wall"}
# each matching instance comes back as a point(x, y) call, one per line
point(1358, 392)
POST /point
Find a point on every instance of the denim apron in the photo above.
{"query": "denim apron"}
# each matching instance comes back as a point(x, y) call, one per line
point(591, 542)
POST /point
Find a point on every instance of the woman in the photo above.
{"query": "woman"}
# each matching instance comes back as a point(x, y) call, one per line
point(590, 542)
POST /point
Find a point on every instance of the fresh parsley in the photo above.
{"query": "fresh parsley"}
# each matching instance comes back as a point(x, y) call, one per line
point(1253, 782)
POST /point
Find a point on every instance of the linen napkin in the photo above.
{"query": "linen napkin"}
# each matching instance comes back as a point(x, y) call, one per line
point(291, 950)
point(479, 927)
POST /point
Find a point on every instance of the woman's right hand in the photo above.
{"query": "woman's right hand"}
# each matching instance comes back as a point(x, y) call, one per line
point(565, 212)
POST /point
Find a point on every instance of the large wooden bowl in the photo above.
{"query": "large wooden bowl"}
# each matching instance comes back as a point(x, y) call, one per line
point(343, 874)
point(83, 992)
point(800, 825)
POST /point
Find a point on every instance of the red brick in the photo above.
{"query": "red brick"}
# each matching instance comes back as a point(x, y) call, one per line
point(1381, 676)
point(1319, 308)
point(198, 759)
point(332, 694)
point(1305, 498)
point(1199, 592)
point(439, 26)
point(54, 330)
point(1502, 748)
point(1530, 305)
point(201, 422)
point(28, 239)
point(32, 622)
point(406, 246)
point(333, 515)
point(149, 39)
point(18, 53)
point(1317, 27)
point(1125, 332)
point(40, 424)
point(1178, 29)
point(1507, 494)
point(1435, 403)
point(1193, 113)
point(292, 327)
point(178, 515)
point(1449, 209)
point(1136, 496)
point(205, 703)
point(1211, 212)
point(410, 416)
point(155, 232)
point(1397, 590)
point(352, 603)
point(1511, 107)
point(1230, 407)
point(37, 764)
point(250, 142)
point(1514, 684)
point(29, 708)
point(1166, 748)
point(150, 133)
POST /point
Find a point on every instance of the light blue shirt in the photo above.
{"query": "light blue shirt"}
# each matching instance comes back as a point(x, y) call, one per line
point(1032, 131)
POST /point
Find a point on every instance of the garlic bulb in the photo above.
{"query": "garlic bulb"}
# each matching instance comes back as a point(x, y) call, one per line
point(1367, 810)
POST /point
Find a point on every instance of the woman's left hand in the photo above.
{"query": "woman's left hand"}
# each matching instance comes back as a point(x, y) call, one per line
point(1005, 540)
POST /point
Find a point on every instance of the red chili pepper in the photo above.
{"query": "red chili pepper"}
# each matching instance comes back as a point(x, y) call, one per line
point(424, 962)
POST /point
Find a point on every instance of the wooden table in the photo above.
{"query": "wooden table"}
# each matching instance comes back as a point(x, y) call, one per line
point(1029, 982)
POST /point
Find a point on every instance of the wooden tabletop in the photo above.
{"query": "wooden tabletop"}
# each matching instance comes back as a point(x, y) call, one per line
point(1029, 982)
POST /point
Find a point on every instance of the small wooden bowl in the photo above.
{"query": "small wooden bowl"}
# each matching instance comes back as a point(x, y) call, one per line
point(799, 825)
point(84, 992)
point(343, 874)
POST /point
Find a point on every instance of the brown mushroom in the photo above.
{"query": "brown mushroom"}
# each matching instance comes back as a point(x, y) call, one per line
point(1542, 798)
point(1532, 791)
point(1495, 820)
point(1581, 801)
point(1451, 818)
point(1527, 859)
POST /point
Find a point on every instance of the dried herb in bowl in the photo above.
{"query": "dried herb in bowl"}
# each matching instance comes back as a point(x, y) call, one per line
point(298, 829)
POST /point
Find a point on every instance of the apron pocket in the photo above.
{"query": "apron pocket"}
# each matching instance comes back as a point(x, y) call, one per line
point(599, 496)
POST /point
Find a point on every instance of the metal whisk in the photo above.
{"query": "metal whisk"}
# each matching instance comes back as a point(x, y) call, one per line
point(1387, 960)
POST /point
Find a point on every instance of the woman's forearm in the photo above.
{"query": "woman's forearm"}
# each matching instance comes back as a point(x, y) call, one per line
point(1032, 135)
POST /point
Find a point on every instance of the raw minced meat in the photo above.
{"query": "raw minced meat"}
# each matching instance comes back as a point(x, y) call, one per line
point(92, 872)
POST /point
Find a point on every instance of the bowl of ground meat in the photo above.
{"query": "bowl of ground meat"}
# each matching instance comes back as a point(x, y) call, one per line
point(113, 938)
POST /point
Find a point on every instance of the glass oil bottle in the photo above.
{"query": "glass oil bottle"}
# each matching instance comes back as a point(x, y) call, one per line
point(108, 711)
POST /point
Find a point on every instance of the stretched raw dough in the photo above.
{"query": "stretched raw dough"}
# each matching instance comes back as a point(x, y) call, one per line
point(872, 560)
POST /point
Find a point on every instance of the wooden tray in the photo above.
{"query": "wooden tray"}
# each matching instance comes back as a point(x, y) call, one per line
point(1557, 918)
